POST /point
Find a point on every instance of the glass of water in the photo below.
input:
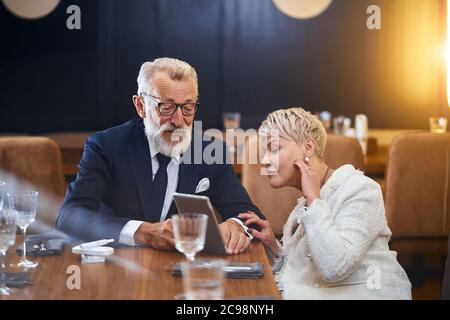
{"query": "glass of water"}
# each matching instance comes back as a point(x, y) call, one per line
point(25, 206)
point(203, 279)
point(7, 238)
point(438, 124)
point(2, 193)
point(189, 230)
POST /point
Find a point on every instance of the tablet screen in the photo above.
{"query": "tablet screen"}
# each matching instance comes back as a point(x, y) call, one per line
point(188, 203)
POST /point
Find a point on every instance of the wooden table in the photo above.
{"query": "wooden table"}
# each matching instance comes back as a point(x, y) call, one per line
point(133, 273)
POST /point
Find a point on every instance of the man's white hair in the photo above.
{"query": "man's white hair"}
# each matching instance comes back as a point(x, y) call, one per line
point(177, 70)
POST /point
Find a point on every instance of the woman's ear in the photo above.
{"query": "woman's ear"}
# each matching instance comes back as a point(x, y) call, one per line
point(139, 105)
point(310, 147)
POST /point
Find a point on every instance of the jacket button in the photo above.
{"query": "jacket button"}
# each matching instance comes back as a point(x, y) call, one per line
point(309, 255)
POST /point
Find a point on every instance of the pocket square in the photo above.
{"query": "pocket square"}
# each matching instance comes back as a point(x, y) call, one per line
point(202, 186)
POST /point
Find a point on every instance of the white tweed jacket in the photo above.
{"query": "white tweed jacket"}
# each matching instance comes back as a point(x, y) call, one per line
point(340, 248)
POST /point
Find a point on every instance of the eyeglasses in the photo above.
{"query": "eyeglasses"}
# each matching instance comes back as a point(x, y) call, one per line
point(169, 108)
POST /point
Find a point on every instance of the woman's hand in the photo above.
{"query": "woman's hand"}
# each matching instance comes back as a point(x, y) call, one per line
point(266, 234)
point(310, 182)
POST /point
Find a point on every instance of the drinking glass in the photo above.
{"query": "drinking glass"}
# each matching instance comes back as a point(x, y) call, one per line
point(341, 124)
point(2, 193)
point(7, 238)
point(189, 230)
point(326, 117)
point(203, 279)
point(438, 124)
point(25, 206)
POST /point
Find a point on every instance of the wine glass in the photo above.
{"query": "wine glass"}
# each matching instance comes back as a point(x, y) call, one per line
point(189, 230)
point(25, 206)
point(2, 193)
point(7, 238)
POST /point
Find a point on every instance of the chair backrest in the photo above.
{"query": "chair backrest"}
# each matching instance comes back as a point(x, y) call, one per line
point(277, 204)
point(37, 161)
point(417, 192)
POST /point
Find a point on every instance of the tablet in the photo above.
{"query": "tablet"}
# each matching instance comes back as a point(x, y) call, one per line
point(188, 203)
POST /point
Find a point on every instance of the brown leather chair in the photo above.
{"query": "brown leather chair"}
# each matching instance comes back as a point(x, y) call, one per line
point(276, 204)
point(417, 202)
point(34, 162)
point(417, 193)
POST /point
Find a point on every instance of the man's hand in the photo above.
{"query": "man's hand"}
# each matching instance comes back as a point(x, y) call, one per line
point(236, 241)
point(157, 235)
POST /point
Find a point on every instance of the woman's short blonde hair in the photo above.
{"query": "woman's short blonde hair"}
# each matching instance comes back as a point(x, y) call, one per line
point(299, 125)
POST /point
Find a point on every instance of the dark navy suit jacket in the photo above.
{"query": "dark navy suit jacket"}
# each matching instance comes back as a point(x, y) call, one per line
point(115, 177)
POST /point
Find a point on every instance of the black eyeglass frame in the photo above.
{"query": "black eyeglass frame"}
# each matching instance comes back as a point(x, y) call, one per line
point(177, 105)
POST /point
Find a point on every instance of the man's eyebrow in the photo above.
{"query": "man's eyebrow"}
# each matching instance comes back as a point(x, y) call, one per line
point(172, 100)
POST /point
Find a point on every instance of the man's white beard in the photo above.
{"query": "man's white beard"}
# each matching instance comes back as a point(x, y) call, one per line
point(154, 134)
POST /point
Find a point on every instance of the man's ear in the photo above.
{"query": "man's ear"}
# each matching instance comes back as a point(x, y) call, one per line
point(310, 147)
point(139, 105)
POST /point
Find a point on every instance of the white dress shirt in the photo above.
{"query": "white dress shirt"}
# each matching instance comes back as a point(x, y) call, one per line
point(126, 236)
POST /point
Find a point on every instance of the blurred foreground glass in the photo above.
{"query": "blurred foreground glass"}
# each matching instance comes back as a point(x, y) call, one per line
point(231, 120)
point(7, 239)
point(189, 230)
point(203, 279)
point(438, 124)
point(25, 206)
point(2, 193)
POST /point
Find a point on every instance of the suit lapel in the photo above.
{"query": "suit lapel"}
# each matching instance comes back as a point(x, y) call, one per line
point(187, 182)
point(141, 164)
point(188, 172)
point(187, 178)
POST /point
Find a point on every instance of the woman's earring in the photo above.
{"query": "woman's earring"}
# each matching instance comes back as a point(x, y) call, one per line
point(307, 159)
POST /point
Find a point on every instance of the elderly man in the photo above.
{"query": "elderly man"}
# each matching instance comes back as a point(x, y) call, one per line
point(128, 173)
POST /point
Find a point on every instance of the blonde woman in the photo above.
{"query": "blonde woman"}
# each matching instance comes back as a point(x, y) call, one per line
point(335, 241)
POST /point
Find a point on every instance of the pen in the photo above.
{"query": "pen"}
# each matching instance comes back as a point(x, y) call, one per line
point(236, 268)
point(96, 243)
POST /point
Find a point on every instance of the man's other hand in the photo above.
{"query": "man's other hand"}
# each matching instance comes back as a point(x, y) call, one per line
point(157, 235)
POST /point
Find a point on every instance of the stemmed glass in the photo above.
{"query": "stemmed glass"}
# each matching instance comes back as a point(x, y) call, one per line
point(2, 193)
point(7, 238)
point(189, 230)
point(25, 206)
